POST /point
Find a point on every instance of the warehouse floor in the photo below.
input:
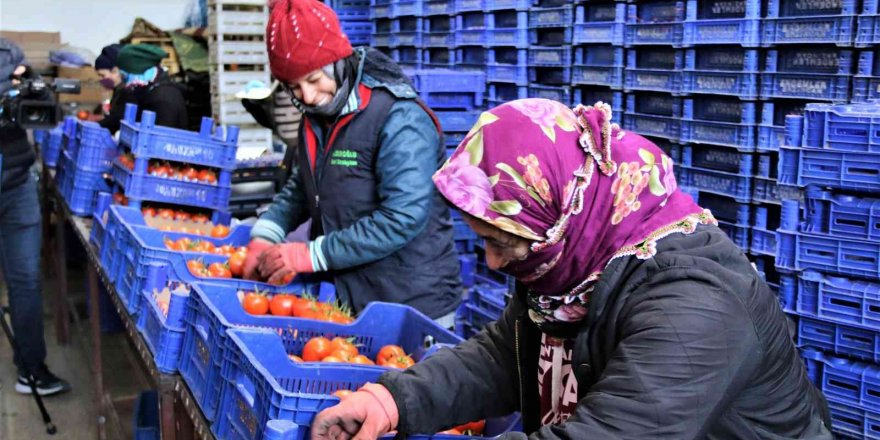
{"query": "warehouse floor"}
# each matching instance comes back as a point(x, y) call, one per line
point(73, 413)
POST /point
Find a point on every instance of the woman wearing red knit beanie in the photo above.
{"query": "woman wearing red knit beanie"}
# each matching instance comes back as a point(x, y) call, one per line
point(367, 150)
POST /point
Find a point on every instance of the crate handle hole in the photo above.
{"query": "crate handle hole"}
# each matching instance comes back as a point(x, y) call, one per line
point(850, 222)
point(859, 259)
point(845, 303)
point(839, 384)
point(864, 171)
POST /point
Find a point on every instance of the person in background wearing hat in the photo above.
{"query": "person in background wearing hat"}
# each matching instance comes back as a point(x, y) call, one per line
point(150, 87)
point(368, 148)
point(21, 237)
point(111, 79)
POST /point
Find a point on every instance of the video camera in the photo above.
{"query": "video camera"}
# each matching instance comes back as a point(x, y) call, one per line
point(31, 104)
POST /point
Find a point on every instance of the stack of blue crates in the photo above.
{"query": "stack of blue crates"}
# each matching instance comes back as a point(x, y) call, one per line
point(86, 152)
point(507, 43)
point(599, 57)
point(354, 17)
point(828, 256)
point(551, 32)
point(654, 68)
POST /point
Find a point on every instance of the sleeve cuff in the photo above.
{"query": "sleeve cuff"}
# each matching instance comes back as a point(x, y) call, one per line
point(268, 230)
point(319, 261)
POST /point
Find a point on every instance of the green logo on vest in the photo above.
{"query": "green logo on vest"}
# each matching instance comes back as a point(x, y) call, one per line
point(344, 158)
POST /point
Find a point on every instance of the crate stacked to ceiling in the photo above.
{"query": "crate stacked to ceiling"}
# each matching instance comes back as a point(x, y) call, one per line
point(829, 255)
point(550, 52)
point(380, 19)
point(808, 58)
point(721, 112)
point(599, 57)
point(354, 18)
point(507, 43)
point(653, 73)
point(866, 82)
point(237, 53)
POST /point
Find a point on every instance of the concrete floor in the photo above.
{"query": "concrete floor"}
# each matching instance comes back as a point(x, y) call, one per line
point(73, 413)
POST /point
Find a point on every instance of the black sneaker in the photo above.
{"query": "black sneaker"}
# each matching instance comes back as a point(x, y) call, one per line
point(47, 384)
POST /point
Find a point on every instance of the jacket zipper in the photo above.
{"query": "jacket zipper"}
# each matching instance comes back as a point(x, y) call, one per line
point(519, 366)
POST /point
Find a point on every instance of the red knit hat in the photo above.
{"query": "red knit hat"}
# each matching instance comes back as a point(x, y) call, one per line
point(302, 36)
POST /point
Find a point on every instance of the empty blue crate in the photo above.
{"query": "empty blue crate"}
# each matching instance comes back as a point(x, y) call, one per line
point(50, 148)
point(557, 17)
point(507, 65)
point(439, 31)
point(654, 69)
point(722, 71)
point(408, 57)
point(653, 114)
point(588, 95)
point(163, 326)
point(600, 22)
point(406, 31)
point(807, 72)
point(439, 58)
point(540, 56)
point(381, 33)
point(448, 89)
point(380, 9)
point(358, 32)
point(146, 139)
point(94, 147)
point(469, 6)
point(866, 82)
point(841, 340)
point(868, 33)
point(500, 5)
point(849, 301)
point(842, 215)
point(834, 169)
point(723, 22)
point(851, 382)
point(717, 171)
point(764, 230)
point(471, 58)
point(719, 120)
point(844, 127)
point(438, 7)
point(655, 23)
point(402, 8)
point(507, 28)
point(546, 36)
point(471, 29)
point(800, 250)
point(849, 422)
point(560, 76)
point(771, 131)
point(556, 93)
point(500, 93)
point(799, 22)
point(598, 65)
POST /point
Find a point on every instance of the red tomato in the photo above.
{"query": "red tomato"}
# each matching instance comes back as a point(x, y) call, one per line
point(388, 352)
point(189, 173)
point(181, 216)
point(450, 432)
point(344, 345)
point(281, 305)
point(165, 213)
point(219, 231)
point(148, 212)
point(200, 218)
point(332, 358)
point(472, 428)
point(119, 199)
point(197, 268)
point(226, 249)
point(401, 362)
point(82, 115)
point(255, 304)
point(316, 349)
point(361, 359)
point(342, 355)
point(236, 265)
point(294, 358)
point(219, 270)
point(208, 176)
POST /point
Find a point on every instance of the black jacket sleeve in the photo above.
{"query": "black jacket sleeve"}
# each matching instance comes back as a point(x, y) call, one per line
point(475, 380)
point(686, 345)
point(167, 101)
point(113, 120)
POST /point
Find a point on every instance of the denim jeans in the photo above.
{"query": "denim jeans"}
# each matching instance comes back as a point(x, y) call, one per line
point(20, 243)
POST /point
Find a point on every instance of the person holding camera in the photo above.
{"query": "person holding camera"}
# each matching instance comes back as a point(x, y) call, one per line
point(20, 235)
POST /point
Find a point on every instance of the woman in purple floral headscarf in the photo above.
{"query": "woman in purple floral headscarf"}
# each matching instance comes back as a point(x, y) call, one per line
point(634, 316)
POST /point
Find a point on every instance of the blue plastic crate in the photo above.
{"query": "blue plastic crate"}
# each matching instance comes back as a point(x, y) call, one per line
point(94, 148)
point(738, 234)
point(767, 166)
point(558, 36)
point(849, 127)
point(471, 29)
point(722, 71)
point(261, 383)
point(408, 57)
point(507, 65)
point(835, 169)
point(847, 381)
point(842, 215)
point(598, 65)
point(655, 23)
point(99, 225)
point(469, 6)
point(495, 427)
point(469, 320)
point(457, 121)
point(723, 208)
point(560, 76)
point(694, 129)
point(553, 17)
point(540, 56)
point(828, 253)
point(733, 185)
point(467, 264)
point(452, 141)
point(660, 104)
point(212, 310)
point(849, 422)
point(838, 339)
point(147, 140)
point(358, 32)
point(588, 95)
point(358, 14)
point(828, 78)
point(556, 93)
point(723, 22)
point(449, 81)
point(51, 147)
point(849, 301)
point(499, 5)
point(68, 134)
point(501, 93)
point(380, 11)
point(406, 31)
point(655, 69)
point(866, 82)
point(382, 32)
point(710, 157)
point(439, 58)
point(402, 8)
point(474, 56)
point(805, 86)
point(868, 31)
point(720, 109)
point(79, 187)
point(347, 5)
point(764, 230)
point(438, 7)
point(146, 416)
point(140, 187)
point(771, 132)
point(602, 23)
point(790, 21)
point(664, 127)
point(163, 333)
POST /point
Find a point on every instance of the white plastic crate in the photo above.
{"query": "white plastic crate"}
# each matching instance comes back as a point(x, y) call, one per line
point(237, 52)
point(250, 21)
point(226, 84)
point(253, 141)
point(230, 112)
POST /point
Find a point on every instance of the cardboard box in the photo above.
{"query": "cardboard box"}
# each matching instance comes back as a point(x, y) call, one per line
point(35, 45)
point(91, 91)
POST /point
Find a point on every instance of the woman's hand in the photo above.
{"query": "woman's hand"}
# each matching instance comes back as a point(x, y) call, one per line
point(364, 415)
point(255, 249)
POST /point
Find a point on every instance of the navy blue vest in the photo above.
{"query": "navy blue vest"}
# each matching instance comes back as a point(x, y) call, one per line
point(423, 274)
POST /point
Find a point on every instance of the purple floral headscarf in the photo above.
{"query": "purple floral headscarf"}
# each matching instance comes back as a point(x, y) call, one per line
point(582, 190)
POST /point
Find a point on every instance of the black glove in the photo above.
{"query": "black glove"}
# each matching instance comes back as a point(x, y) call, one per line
point(261, 110)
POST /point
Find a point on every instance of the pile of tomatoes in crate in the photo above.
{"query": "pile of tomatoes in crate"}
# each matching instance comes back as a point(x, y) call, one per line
point(306, 307)
point(341, 350)
point(169, 170)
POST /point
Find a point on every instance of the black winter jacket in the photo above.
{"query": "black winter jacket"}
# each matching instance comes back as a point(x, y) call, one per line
point(163, 97)
point(690, 344)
